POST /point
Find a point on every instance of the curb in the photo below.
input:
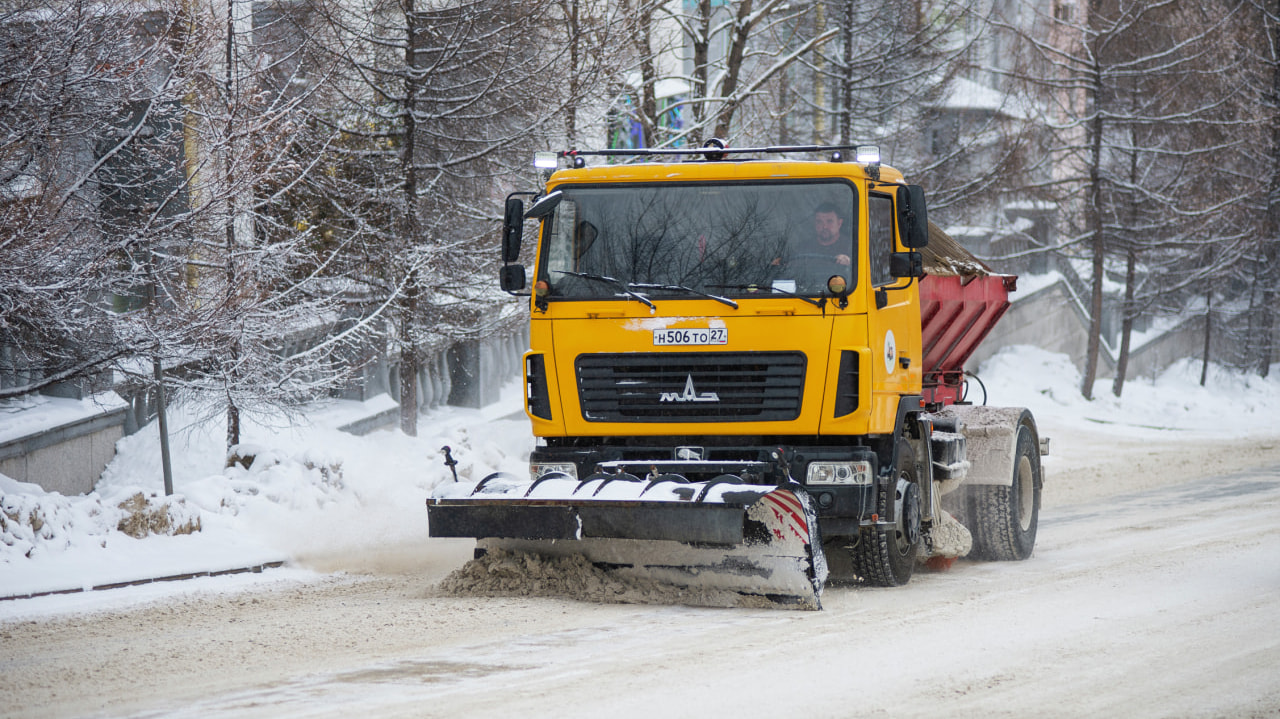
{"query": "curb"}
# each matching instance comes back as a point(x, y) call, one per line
point(255, 569)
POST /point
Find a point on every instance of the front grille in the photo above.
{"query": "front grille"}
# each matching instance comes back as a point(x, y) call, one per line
point(691, 386)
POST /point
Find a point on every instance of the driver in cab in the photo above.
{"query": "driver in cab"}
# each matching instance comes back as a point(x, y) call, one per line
point(827, 226)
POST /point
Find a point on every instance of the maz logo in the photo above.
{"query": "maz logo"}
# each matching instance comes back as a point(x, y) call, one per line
point(689, 394)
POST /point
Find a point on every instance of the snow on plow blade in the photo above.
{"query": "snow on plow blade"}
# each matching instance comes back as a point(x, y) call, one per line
point(751, 539)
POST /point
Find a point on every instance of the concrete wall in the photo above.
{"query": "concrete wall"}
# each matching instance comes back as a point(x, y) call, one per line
point(66, 459)
point(478, 370)
point(70, 458)
point(1053, 319)
point(1049, 318)
point(1152, 358)
point(466, 374)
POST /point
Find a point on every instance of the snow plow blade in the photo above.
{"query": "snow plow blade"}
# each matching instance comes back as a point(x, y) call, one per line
point(754, 540)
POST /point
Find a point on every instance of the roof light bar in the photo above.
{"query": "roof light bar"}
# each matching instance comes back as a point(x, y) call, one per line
point(714, 150)
point(546, 160)
point(869, 154)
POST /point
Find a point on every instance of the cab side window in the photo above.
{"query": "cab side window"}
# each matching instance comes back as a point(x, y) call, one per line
point(880, 237)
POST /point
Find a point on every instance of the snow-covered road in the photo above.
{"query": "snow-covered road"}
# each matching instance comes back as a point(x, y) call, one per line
point(1154, 589)
point(1159, 603)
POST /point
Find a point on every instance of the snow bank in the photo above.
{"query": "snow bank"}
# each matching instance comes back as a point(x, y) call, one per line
point(1230, 405)
point(296, 493)
point(34, 524)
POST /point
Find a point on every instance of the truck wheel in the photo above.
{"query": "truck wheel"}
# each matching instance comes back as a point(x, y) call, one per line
point(885, 557)
point(1005, 518)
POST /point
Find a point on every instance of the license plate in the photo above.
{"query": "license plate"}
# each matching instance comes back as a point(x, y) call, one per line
point(709, 336)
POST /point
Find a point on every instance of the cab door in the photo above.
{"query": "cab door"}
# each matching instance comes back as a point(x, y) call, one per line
point(893, 317)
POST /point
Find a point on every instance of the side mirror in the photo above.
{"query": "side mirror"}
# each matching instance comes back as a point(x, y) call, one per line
point(543, 206)
point(512, 278)
point(906, 264)
point(913, 218)
point(512, 230)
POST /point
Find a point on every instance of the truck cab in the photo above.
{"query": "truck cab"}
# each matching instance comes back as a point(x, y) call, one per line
point(748, 318)
point(653, 282)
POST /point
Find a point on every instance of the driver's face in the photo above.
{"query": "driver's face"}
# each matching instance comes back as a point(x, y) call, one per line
point(826, 227)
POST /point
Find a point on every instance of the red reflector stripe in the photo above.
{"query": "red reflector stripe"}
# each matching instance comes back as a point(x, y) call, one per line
point(788, 508)
point(788, 499)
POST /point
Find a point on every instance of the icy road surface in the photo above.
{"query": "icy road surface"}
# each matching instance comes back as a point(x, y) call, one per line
point(1159, 603)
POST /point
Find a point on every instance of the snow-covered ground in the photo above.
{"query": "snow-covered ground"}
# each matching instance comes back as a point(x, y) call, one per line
point(1152, 591)
point(314, 495)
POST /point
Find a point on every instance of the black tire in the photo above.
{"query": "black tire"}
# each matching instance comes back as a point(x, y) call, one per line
point(887, 557)
point(1004, 519)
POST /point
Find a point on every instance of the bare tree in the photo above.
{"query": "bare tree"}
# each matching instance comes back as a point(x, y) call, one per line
point(890, 61)
point(430, 109)
point(595, 36)
point(239, 292)
point(914, 78)
point(1130, 106)
point(727, 54)
point(143, 154)
point(1259, 41)
point(89, 190)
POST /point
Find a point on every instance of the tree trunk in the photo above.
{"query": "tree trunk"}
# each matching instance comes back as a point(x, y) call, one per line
point(233, 411)
point(648, 74)
point(162, 420)
point(733, 70)
point(409, 366)
point(1270, 295)
point(1093, 210)
point(784, 102)
point(701, 42)
point(1270, 250)
point(162, 412)
point(1253, 313)
point(1126, 324)
point(846, 82)
point(1093, 204)
point(1128, 308)
point(233, 423)
point(1208, 334)
point(575, 37)
point(409, 228)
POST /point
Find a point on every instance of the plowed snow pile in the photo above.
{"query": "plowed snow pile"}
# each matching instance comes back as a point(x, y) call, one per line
point(517, 574)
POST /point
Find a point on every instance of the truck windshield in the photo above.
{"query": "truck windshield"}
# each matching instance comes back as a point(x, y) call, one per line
point(735, 239)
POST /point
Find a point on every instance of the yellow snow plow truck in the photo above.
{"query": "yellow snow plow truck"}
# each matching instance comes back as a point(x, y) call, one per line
point(746, 374)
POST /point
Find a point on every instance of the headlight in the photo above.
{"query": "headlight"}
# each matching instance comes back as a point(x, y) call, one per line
point(838, 473)
point(569, 468)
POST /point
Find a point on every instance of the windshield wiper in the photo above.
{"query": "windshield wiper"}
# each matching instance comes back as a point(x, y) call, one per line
point(682, 288)
point(821, 303)
point(626, 289)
